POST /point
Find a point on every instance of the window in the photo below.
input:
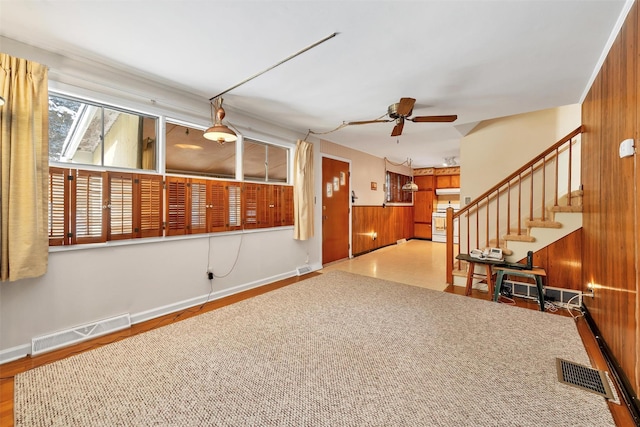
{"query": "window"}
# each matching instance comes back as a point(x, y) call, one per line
point(264, 162)
point(189, 153)
point(394, 184)
point(95, 197)
point(93, 134)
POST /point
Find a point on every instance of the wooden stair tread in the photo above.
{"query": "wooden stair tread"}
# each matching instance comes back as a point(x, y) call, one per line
point(572, 208)
point(519, 238)
point(460, 273)
point(543, 224)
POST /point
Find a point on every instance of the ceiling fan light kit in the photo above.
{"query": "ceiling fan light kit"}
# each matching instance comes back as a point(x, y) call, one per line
point(219, 132)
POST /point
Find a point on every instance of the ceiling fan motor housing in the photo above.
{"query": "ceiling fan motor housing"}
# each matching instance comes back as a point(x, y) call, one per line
point(392, 111)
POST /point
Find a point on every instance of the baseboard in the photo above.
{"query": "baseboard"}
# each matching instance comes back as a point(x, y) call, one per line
point(23, 350)
point(14, 353)
point(628, 395)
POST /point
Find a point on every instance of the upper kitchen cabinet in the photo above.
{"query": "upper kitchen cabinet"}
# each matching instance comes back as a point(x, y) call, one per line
point(447, 177)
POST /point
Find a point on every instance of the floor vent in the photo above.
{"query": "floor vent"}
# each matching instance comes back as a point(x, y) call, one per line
point(303, 270)
point(78, 334)
point(584, 377)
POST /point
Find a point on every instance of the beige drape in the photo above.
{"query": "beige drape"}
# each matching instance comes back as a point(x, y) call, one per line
point(303, 191)
point(24, 162)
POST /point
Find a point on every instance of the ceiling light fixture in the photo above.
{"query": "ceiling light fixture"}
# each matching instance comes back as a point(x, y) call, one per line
point(219, 132)
point(410, 186)
point(449, 161)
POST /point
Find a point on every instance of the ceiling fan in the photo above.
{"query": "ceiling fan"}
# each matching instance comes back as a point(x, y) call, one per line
point(400, 111)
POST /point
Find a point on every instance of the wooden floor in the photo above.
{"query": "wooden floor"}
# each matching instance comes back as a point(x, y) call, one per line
point(9, 370)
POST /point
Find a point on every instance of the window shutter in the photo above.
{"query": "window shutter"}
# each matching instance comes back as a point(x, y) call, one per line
point(198, 206)
point(217, 205)
point(264, 210)
point(234, 199)
point(176, 206)
point(250, 206)
point(88, 222)
point(120, 206)
point(286, 208)
point(149, 205)
point(58, 200)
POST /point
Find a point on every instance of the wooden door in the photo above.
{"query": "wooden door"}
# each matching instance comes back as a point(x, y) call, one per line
point(335, 210)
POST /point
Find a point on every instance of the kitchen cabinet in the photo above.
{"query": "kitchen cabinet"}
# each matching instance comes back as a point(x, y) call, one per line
point(423, 206)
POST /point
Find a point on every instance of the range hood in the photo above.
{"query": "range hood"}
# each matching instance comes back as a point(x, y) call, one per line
point(447, 191)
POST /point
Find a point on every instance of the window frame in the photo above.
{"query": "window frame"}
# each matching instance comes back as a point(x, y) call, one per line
point(92, 101)
point(276, 208)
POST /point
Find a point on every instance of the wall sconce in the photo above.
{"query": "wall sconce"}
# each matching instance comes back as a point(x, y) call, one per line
point(374, 235)
point(2, 101)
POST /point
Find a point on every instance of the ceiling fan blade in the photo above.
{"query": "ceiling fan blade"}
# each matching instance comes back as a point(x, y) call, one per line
point(442, 119)
point(397, 130)
point(405, 106)
point(366, 122)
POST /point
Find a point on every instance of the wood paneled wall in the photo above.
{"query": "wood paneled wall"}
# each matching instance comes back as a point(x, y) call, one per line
point(561, 261)
point(610, 225)
point(391, 223)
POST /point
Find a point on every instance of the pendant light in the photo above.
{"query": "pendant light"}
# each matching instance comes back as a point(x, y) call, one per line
point(410, 186)
point(219, 132)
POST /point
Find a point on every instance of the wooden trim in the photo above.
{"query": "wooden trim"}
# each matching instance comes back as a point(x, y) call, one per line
point(629, 398)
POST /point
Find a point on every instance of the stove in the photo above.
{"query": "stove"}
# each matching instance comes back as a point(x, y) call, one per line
point(439, 222)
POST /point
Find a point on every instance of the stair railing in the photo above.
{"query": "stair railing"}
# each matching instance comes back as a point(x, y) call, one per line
point(522, 195)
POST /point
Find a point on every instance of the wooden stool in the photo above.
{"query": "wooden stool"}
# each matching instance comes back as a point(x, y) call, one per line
point(471, 274)
point(535, 273)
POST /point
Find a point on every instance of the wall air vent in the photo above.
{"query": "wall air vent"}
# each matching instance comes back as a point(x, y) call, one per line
point(303, 270)
point(78, 334)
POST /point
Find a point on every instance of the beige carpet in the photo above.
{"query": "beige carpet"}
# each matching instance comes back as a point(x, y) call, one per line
point(335, 350)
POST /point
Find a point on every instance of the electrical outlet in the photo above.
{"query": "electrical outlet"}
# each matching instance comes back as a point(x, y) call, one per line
point(209, 275)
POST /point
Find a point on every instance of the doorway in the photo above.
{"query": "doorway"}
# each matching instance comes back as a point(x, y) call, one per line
point(335, 210)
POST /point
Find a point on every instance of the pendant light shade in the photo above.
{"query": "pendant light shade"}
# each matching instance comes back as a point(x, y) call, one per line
point(219, 132)
point(410, 186)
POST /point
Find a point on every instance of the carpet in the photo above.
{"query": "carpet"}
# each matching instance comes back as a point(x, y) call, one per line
point(334, 350)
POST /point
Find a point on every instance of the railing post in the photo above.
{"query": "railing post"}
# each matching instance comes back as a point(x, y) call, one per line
point(449, 247)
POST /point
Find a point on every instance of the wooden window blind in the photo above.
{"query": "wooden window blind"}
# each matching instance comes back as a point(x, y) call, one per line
point(149, 195)
point(87, 207)
point(250, 206)
point(58, 213)
point(216, 220)
point(177, 219)
point(120, 207)
point(286, 208)
point(234, 200)
point(198, 206)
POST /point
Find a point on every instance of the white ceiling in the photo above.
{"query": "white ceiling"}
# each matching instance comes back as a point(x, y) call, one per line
point(477, 59)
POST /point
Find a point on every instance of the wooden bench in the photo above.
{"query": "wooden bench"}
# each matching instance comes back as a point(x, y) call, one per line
point(535, 273)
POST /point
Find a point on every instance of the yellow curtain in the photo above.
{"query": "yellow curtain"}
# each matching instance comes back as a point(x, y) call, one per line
point(303, 191)
point(24, 165)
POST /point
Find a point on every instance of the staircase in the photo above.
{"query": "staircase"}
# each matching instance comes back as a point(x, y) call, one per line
point(536, 205)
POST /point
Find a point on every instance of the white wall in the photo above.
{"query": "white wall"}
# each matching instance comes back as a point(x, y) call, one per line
point(154, 276)
point(365, 169)
point(496, 148)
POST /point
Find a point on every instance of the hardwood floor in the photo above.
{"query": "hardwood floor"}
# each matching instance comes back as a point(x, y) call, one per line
point(373, 263)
